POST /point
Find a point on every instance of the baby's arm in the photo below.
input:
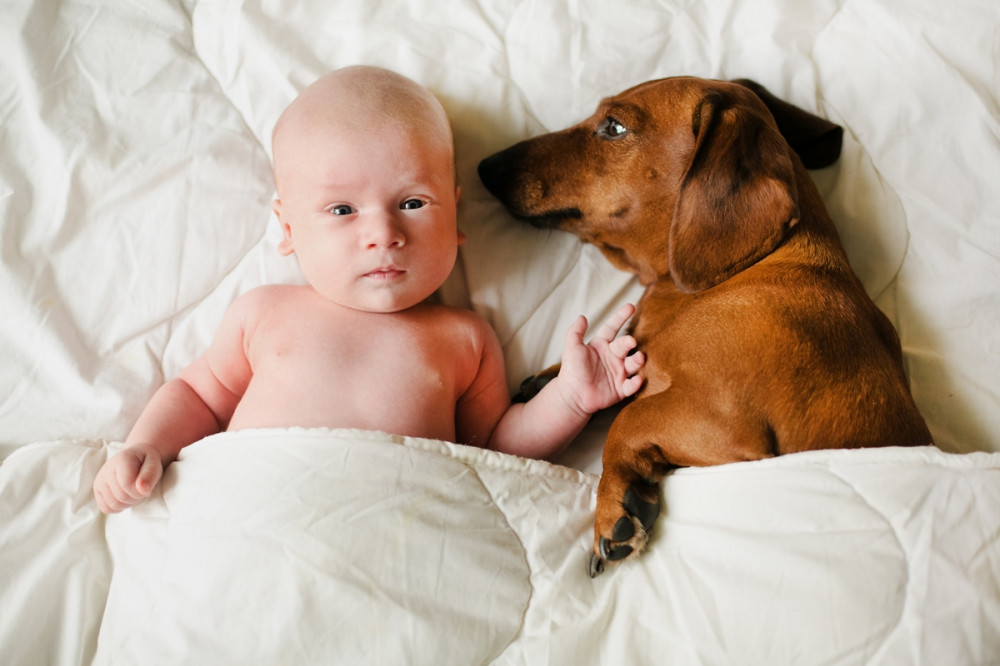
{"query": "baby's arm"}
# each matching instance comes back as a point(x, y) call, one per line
point(593, 376)
point(198, 403)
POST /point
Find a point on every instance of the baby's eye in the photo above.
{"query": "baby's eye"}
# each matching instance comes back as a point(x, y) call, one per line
point(412, 204)
point(343, 209)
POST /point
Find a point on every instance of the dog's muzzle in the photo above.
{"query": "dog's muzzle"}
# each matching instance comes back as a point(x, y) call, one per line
point(506, 177)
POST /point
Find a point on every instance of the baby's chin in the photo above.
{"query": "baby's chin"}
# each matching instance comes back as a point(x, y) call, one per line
point(386, 303)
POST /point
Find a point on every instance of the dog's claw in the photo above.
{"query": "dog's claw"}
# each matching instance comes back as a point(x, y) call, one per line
point(613, 553)
point(596, 565)
point(631, 530)
point(603, 546)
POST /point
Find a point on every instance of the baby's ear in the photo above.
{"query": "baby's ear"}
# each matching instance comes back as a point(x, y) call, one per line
point(285, 247)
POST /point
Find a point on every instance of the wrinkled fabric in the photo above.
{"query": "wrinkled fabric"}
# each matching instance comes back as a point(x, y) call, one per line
point(135, 193)
point(342, 546)
point(135, 182)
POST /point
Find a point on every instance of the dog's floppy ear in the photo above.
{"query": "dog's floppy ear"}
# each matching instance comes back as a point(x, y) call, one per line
point(816, 140)
point(737, 200)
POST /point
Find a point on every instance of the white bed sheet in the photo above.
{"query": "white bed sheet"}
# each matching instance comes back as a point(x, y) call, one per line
point(135, 194)
point(135, 183)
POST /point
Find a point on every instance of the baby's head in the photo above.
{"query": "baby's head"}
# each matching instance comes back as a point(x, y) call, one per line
point(357, 99)
point(365, 175)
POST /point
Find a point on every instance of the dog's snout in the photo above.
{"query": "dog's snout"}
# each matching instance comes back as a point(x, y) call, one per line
point(525, 179)
point(492, 171)
point(505, 176)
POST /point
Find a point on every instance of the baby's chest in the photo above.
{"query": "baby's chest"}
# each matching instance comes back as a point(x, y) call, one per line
point(387, 360)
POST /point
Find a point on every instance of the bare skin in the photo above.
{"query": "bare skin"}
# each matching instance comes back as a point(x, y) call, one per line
point(367, 203)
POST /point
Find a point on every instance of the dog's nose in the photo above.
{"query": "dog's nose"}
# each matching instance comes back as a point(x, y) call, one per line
point(493, 171)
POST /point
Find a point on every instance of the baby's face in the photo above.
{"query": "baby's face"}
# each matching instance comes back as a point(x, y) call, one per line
point(371, 217)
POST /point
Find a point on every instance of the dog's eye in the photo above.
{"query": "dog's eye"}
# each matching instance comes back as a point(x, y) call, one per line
point(611, 128)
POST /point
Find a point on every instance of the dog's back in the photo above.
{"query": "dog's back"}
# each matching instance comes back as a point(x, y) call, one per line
point(790, 352)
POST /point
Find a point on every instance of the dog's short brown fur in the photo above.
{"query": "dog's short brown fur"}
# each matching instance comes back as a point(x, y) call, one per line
point(759, 338)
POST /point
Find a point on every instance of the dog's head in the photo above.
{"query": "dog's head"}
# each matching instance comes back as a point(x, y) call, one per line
point(681, 177)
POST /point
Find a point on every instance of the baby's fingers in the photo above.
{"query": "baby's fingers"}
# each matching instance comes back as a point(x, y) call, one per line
point(634, 363)
point(149, 475)
point(574, 336)
point(126, 472)
point(615, 322)
point(631, 386)
point(620, 347)
point(102, 502)
point(120, 497)
point(111, 498)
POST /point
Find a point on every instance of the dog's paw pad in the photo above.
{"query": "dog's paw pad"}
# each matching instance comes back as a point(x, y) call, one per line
point(646, 512)
point(614, 553)
point(631, 531)
point(624, 529)
point(619, 547)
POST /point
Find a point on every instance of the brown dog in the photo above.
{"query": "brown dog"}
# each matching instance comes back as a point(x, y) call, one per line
point(759, 338)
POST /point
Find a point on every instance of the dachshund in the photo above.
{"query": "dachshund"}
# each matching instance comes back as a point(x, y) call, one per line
point(759, 338)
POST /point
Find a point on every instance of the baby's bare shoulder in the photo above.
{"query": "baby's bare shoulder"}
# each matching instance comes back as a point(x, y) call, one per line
point(273, 292)
point(465, 333)
point(466, 320)
point(263, 303)
point(267, 297)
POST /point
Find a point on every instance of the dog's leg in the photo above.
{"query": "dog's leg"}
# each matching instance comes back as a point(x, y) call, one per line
point(628, 495)
point(652, 436)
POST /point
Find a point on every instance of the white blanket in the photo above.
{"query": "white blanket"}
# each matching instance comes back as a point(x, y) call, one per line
point(343, 547)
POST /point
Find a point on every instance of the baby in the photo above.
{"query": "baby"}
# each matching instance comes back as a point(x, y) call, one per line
point(366, 199)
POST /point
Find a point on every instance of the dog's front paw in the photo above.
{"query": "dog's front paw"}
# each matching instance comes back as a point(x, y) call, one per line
point(636, 514)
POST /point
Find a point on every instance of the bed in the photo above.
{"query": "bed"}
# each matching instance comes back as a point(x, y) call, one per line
point(135, 192)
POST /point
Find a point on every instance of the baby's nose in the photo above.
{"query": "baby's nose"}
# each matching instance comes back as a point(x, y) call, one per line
point(383, 230)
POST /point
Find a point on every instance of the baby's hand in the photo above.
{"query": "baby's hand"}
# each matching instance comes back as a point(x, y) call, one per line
point(601, 373)
point(127, 478)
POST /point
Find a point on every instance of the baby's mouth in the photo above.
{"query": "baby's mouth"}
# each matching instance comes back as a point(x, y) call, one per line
point(386, 273)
